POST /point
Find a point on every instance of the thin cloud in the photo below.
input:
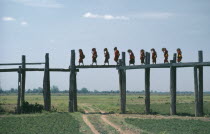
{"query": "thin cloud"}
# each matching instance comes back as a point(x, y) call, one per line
point(24, 23)
point(52, 41)
point(8, 19)
point(41, 3)
point(106, 17)
point(154, 15)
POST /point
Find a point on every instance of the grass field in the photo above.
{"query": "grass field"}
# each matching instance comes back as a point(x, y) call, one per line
point(160, 104)
point(57, 123)
point(172, 126)
point(134, 121)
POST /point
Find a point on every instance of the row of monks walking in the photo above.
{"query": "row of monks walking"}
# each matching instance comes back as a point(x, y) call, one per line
point(132, 57)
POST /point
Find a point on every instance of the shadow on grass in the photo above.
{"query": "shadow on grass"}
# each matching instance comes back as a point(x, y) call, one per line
point(185, 114)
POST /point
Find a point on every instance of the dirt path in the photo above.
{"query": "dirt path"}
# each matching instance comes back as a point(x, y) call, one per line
point(116, 121)
point(105, 119)
point(90, 109)
point(118, 128)
point(90, 125)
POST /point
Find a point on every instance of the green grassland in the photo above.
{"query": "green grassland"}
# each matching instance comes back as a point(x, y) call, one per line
point(171, 126)
point(56, 123)
point(60, 121)
point(160, 104)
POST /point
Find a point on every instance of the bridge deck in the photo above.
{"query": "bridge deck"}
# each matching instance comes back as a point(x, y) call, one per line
point(97, 66)
point(37, 69)
point(12, 64)
point(167, 65)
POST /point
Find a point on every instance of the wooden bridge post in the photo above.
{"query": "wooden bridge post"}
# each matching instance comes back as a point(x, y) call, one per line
point(122, 83)
point(72, 84)
point(200, 91)
point(173, 87)
point(147, 85)
point(75, 94)
point(19, 91)
point(23, 81)
point(197, 110)
point(46, 84)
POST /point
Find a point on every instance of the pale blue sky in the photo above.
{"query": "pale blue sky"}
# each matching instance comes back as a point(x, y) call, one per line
point(36, 27)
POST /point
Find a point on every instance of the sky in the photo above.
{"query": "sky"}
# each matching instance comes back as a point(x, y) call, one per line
point(36, 27)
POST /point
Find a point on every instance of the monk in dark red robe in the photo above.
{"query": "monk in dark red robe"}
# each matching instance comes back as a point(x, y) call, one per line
point(165, 51)
point(142, 56)
point(106, 55)
point(154, 55)
point(94, 56)
point(179, 55)
point(132, 57)
point(81, 56)
point(116, 55)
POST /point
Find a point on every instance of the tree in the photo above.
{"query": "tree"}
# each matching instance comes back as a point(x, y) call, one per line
point(84, 90)
point(54, 89)
point(40, 90)
point(1, 91)
point(29, 91)
point(12, 90)
point(96, 91)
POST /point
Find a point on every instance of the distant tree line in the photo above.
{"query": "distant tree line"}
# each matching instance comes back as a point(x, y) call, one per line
point(55, 89)
point(12, 90)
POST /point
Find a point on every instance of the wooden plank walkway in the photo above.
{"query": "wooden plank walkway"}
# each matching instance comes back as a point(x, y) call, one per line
point(11, 64)
point(97, 66)
point(166, 65)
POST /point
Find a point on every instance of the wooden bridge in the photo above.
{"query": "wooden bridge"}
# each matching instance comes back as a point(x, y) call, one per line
point(121, 68)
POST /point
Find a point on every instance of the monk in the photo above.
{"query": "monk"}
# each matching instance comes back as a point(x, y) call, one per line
point(179, 55)
point(154, 55)
point(81, 57)
point(116, 55)
point(165, 51)
point(94, 56)
point(106, 55)
point(132, 57)
point(142, 56)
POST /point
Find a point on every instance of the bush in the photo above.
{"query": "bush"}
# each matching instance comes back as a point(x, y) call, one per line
point(1, 109)
point(53, 109)
point(31, 108)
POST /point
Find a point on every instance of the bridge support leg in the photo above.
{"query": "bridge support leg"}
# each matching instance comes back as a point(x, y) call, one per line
point(147, 85)
point(46, 85)
point(75, 94)
point(72, 85)
point(200, 96)
point(122, 84)
point(23, 81)
point(173, 87)
point(197, 110)
point(19, 91)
